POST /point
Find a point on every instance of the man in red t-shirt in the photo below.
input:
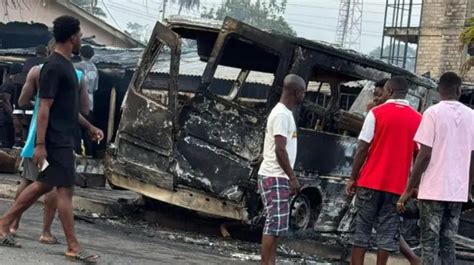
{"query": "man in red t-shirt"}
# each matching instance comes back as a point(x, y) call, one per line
point(380, 171)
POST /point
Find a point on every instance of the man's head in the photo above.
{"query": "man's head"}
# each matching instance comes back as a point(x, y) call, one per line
point(294, 88)
point(396, 88)
point(13, 71)
point(379, 96)
point(449, 86)
point(87, 52)
point(67, 31)
point(41, 51)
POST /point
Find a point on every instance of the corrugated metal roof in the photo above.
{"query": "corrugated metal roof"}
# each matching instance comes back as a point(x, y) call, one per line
point(190, 64)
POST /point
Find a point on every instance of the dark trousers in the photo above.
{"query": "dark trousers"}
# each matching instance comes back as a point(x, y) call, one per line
point(7, 135)
point(439, 225)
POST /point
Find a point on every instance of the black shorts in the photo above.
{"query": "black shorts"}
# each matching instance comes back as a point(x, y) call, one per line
point(377, 209)
point(61, 171)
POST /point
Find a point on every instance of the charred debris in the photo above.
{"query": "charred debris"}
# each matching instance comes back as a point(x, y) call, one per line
point(192, 120)
point(189, 135)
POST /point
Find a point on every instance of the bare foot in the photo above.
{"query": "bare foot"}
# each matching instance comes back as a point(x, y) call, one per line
point(4, 229)
point(14, 227)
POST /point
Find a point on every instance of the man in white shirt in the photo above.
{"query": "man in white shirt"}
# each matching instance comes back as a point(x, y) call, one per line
point(276, 180)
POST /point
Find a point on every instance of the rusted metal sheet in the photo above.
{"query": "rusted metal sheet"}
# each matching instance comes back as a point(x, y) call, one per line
point(90, 172)
point(188, 199)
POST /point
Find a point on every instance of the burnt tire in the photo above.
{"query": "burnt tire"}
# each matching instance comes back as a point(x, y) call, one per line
point(300, 213)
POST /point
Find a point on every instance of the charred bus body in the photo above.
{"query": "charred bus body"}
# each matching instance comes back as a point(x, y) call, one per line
point(191, 144)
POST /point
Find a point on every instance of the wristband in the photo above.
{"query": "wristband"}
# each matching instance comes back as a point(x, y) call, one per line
point(40, 144)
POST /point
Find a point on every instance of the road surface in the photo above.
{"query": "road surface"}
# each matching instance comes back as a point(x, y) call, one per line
point(114, 244)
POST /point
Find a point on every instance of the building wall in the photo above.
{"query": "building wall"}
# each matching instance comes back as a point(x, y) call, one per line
point(441, 23)
point(45, 11)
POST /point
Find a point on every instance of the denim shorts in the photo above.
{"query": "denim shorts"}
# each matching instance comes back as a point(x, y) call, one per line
point(378, 210)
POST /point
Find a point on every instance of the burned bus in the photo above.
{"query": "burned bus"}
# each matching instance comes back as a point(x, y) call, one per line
point(189, 132)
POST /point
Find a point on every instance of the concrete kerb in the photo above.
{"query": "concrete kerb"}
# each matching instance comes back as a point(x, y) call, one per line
point(102, 201)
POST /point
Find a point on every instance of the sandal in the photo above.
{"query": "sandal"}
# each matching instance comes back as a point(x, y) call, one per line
point(9, 241)
point(83, 256)
point(48, 240)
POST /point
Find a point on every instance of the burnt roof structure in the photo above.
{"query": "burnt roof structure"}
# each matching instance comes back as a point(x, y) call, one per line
point(13, 35)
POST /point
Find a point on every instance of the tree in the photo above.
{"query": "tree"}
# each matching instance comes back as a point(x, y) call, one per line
point(90, 6)
point(188, 4)
point(411, 55)
point(260, 13)
point(466, 39)
point(138, 31)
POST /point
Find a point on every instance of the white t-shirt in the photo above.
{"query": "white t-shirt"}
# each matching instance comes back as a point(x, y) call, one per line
point(280, 122)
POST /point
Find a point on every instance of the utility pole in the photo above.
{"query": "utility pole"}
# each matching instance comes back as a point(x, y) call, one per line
point(163, 12)
point(349, 24)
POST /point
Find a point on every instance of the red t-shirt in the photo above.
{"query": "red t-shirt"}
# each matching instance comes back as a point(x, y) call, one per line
point(390, 129)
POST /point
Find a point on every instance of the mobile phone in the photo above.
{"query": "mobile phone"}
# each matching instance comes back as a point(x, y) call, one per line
point(44, 166)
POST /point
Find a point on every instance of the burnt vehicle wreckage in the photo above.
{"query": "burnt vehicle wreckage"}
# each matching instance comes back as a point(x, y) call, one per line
point(192, 144)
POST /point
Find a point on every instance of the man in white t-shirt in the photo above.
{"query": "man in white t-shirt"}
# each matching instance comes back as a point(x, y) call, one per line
point(276, 180)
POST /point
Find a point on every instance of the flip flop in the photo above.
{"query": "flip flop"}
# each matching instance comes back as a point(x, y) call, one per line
point(9, 241)
point(83, 256)
point(48, 240)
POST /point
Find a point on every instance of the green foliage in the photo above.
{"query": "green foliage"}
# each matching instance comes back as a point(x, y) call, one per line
point(263, 14)
point(90, 6)
point(467, 35)
point(466, 38)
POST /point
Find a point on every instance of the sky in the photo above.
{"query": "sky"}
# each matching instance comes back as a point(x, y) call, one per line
point(311, 19)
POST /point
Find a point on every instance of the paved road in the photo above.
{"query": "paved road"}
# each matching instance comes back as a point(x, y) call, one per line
point(115, 245)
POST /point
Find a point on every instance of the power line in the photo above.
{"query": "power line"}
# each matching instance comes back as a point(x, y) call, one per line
point(332, 29)
point(335, 18)
point(111, 16)
point(132, 12)
point(298, 23)
point(330, 8)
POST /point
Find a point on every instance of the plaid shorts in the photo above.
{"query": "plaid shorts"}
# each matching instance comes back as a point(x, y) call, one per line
point(275, 194)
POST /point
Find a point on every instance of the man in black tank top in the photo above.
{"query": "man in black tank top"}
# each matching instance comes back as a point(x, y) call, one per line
point(58, 116)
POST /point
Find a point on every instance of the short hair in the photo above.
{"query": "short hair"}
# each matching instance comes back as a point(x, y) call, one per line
point(381, 82)
point(293, 82)
point(41, 50)
point(87, 51)
point(449, 83)
point(64, 27)
point(399, 83)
